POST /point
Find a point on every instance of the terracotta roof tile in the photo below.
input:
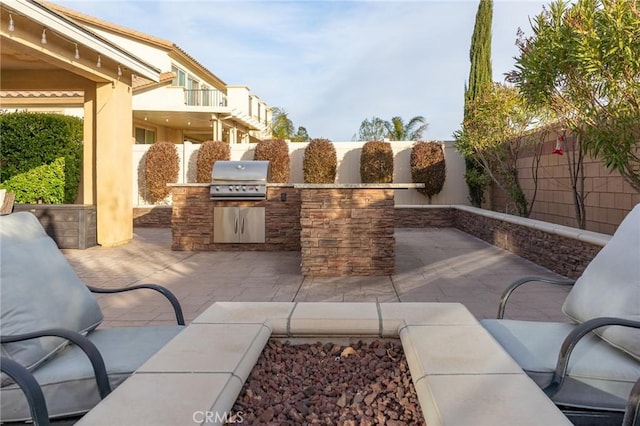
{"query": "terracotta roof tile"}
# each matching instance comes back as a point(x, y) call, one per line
point(40, 94)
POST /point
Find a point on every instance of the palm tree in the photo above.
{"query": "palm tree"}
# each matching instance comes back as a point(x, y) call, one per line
point(412, 131)
point(281, 124)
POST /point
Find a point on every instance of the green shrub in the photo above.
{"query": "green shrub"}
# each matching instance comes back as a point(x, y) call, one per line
point(40, 185)
point(162, 165)
point(320, 162)
point(277, 152)
point(428, 167)
point(209, 153)
point(29, 140)
point(376, 162)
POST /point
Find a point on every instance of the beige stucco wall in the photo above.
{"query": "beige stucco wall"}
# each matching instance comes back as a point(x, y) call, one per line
point(348, 153)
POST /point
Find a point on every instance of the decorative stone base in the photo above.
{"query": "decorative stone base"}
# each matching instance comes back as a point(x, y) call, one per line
point(192, 219)
point(347, 231)
point(72, 226)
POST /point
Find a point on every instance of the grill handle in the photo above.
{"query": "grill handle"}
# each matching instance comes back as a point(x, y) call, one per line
point(242, 227)
point(235, 229)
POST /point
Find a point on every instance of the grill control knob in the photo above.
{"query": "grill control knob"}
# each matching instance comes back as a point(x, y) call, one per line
point(230, 188)
point(237, 188)
point(244, 188)
point(217, 188)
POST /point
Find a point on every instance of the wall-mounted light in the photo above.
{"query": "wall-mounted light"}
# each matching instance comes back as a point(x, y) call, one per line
point(43, 39)
point(11, 27)
point(119, 71)
point(77, 55)
point(99, 63)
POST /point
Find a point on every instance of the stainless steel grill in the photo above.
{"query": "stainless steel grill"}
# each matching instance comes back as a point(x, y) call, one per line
point(240, 180)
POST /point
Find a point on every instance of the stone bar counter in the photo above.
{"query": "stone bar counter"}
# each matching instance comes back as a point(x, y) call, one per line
point(348, 229)
point(341, 229)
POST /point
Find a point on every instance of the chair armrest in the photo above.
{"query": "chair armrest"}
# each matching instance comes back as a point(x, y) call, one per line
point(162, 290)
point(632, 412)
point(572, 340)
point(30, 388)
point(507, 293)
point(97, 362)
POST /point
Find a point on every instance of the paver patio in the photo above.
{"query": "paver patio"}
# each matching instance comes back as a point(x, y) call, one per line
point(432, 265)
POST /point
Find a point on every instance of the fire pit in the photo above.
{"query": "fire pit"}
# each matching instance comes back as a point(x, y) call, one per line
point(354, 383)
point(460, 373)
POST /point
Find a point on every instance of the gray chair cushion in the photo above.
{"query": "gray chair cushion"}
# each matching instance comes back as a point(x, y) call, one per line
point(599, 375)
point(610, 286)
point(40, 290)
point(67, 380)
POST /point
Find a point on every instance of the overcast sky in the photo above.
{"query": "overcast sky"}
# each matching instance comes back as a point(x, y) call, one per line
point(332, 64)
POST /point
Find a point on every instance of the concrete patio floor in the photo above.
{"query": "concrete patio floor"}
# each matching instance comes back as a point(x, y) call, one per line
point(432, 265)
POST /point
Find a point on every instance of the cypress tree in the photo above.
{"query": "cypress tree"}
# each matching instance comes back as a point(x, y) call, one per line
point(481, 73)
point(480, 80)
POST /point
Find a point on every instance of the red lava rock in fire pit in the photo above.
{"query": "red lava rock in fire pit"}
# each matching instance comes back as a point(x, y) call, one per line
point(369, 384)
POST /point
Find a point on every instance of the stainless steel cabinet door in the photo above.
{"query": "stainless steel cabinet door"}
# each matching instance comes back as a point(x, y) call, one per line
point(225, 225)
point(252, 224)
point(239, 225)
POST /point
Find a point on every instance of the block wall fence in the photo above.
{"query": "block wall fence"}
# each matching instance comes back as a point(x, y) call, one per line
point(608, 196)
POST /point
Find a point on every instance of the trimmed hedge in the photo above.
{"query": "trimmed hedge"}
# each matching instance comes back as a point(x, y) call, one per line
point(428, 167)
point(208, 153)
point(30, 140)
point(161, 167)
point(277, 152)
point(320, 162)
point(376, 162)
point(40, 185)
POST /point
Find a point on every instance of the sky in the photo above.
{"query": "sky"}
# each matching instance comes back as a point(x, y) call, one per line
point(332, 64)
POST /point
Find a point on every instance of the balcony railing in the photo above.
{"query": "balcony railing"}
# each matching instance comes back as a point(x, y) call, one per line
point(204, 97)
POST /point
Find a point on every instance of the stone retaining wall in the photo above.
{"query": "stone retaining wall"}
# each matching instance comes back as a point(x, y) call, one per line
point(152, 217)
point(565, 256)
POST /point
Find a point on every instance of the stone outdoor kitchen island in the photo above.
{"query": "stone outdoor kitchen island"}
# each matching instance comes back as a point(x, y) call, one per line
point(347, 229)
point(341, 229)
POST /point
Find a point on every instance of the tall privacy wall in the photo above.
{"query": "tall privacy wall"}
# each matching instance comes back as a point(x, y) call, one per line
point(608, 196)
point(348, 153)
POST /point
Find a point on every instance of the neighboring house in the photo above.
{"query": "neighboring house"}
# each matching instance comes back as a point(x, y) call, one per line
point(188, 103)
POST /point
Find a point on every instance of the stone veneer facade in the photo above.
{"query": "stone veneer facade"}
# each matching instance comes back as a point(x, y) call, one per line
point(339, 236)
point(562, 254)
point(192, 219)
point(347, 231)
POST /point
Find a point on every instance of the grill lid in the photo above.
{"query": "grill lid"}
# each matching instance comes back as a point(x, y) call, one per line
point(238, 171)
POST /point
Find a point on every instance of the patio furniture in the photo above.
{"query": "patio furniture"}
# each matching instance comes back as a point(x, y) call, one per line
point(589, 366)
point(49, 321)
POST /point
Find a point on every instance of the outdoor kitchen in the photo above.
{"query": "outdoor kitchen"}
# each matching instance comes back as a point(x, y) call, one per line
point(340, 229)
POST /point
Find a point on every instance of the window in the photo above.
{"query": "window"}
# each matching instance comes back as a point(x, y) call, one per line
point(193, 92)
point(145, 136)
point(206, 96)
point(180, 78)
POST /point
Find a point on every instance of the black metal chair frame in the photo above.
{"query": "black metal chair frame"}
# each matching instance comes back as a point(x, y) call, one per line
point(568, 345)
point(30, 386)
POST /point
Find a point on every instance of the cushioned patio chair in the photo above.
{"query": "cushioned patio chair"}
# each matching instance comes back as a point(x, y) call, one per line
point(49, 327)
point(588, 366)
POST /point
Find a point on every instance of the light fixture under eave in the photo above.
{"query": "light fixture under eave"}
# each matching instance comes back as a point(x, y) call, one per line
point(11, 26)
point(119, 71)
point(77, 55)
point(99, 63)
point(43, 39)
